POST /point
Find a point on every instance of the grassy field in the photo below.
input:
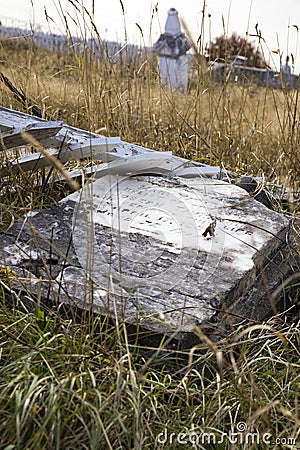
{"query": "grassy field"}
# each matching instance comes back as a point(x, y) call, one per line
point(84, 385)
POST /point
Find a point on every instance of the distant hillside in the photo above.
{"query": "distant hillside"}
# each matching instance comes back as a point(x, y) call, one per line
point(63, 43)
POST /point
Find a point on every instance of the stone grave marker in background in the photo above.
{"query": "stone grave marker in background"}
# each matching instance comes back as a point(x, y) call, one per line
point(171, 49)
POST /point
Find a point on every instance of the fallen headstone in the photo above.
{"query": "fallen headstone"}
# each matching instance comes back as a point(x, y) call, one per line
point(166, 253)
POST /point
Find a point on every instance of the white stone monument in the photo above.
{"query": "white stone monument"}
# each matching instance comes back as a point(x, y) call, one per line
point(171, 49)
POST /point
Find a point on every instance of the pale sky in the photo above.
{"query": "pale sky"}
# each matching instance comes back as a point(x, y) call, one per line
point(278, 20)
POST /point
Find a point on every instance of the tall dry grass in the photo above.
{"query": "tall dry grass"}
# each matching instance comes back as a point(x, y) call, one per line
point(66, 385)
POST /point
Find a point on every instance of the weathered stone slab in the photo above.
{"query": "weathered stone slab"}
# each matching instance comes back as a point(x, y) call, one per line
point(65, 142)
point(167, 253)
point(68, 143)
point(14, 137)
